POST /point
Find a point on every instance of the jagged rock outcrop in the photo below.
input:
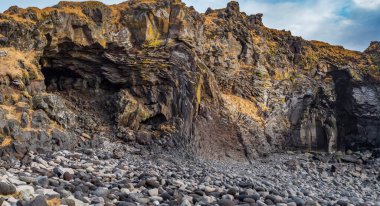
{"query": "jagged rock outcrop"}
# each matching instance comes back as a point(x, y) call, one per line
point(220, 85)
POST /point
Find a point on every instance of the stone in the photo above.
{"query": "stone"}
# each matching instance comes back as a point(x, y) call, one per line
point(40, 119)
point(62, 170)
point(209, 189)
point(350, 158)
point(299, 201)
point(156, 203)
point(43, 181)
point(178, 183)
point(77, 202)
point(144, 138)
point(7, 189)
point(311, 203)
point(249, 200)
point(101, 192)
point(67, 176)
point(275, 198)
point(207, 179)
point(48, 192)
point(68, 202)
point(186, 203)
point(152, 183)
point(228, 197)
point(63, 193)
point(207, 199)
point(3, 53)
point(26, 190)
point(40, 200)
point(125, 204)
point(341, 202)
point(28, 179)
point(226, 202)
point(260, 203)
point(166, 196)
point(16, 181)
point(232, 191)
point(97, 200)
point(55, 107)
point(118, 153)
point(153, 192)
point(24, 119)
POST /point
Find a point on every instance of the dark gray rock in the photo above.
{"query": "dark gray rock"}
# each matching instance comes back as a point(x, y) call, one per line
point(101, 192)
point(62, 140)
point(43, 181)
point(12, 128)
point(55, 108)
point(7, 189)
point(152, 183)
point(299, 201)
point(311, 203)
point(40, 119)
point(125, 204)
point(1, 98)
point(38, 201)
point(249, 200)
point(275, 198)
point(24, 119)
point(68, 202)
point(118, 153)
point(232, 191)
point(225, 202)
point(350, 158)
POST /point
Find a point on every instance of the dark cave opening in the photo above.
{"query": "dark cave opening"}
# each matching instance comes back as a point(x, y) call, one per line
point(155, 121)
point(322, 141)
point(59, 79)
point(346, 120)
point(70, 66)
point(75, 73)
point(65, 79)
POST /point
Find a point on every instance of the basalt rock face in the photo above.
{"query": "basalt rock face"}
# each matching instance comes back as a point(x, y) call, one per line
point(218, 85)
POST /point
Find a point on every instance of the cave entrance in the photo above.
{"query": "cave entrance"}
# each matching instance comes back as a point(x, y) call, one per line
point(70, 66)
point(75, 74)
point(346, 120)
point(321, 141)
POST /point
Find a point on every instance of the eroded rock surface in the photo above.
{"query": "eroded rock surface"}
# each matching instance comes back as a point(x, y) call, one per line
point(219, 85)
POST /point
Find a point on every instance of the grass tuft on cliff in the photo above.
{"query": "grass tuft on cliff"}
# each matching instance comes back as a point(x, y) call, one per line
point(19, 65)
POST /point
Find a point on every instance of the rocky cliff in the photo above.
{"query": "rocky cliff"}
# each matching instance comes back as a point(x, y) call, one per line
point(219, 85)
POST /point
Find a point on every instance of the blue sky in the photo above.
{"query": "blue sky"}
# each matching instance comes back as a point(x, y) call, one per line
point(351, 23)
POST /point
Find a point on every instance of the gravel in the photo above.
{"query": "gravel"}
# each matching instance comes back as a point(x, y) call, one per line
point(143, 178)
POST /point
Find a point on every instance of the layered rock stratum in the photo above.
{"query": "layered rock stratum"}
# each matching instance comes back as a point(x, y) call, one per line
point(218, 85)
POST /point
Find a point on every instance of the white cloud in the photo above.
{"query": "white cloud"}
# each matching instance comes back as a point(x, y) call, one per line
point(323, 20)
point(203, 5)
point(368, 4)
point(312, 19)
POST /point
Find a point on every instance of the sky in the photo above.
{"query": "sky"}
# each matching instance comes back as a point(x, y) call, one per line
point(350, 23)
